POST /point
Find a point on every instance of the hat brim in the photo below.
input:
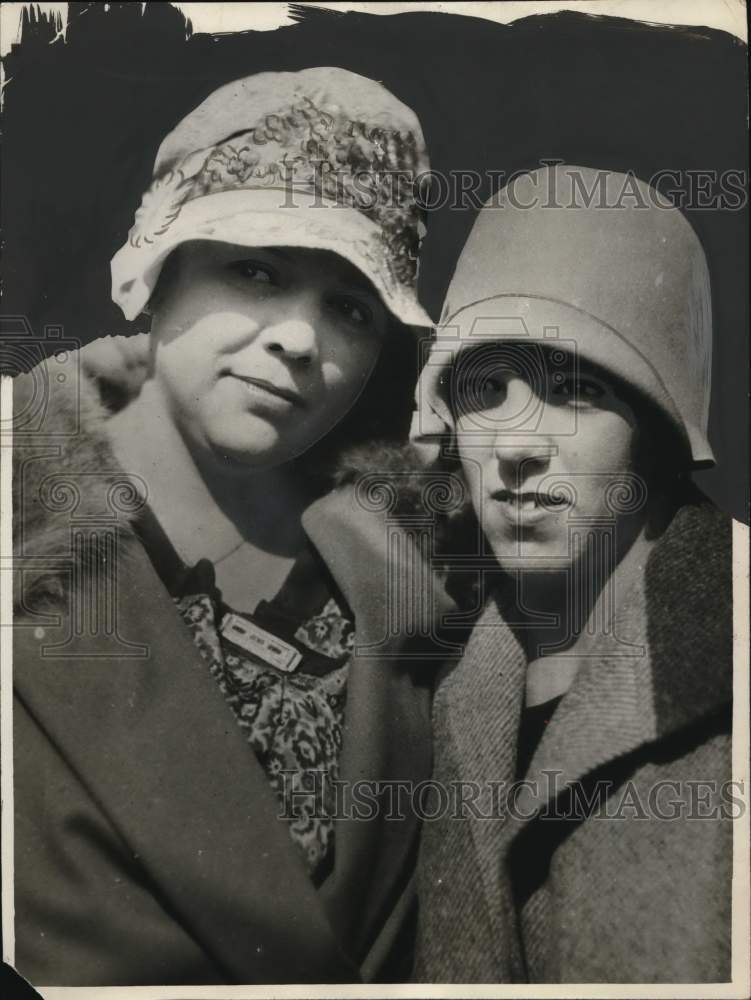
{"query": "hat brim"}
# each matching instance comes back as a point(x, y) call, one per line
point(262, 217)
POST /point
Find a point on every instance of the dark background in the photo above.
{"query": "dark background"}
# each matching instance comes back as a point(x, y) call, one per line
point(83, 119)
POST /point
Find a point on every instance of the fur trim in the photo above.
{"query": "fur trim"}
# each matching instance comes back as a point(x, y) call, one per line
point(399, 467)
point(65, 476)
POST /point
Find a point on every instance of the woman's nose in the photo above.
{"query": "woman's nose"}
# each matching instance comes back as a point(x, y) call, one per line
point(293, 336)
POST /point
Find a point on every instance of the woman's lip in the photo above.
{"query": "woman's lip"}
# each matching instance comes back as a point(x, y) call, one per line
point(276, 390)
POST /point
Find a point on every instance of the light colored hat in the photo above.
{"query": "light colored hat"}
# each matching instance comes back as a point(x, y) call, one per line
point(322, 159)
point(592, 257)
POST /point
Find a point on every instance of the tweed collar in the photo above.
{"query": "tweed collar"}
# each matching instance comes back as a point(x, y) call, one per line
point(667, 663)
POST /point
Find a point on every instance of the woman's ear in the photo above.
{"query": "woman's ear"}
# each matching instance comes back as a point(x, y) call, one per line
point(165, 281)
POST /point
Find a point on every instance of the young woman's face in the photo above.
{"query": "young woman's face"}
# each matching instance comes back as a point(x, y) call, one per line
point(547, 448)
point(260, 352)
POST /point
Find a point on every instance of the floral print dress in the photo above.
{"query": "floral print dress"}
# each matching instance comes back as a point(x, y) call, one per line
point(292, 719)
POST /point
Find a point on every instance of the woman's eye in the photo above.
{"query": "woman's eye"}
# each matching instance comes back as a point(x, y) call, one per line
point(354, 310)
point(256, 272)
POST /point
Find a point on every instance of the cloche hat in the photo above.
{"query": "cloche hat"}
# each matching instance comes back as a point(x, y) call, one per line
point(321, 159)
point(594, 258)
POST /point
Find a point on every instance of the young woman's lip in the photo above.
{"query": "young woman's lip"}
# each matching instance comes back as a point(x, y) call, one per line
point(277, 390)
point(516, 510)
point(543, 501)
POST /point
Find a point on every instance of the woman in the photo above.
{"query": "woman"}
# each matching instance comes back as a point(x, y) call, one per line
point(588, 723)
point(188, 688)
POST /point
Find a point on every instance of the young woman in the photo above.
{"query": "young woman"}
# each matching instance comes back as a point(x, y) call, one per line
point(586, 730)
point(192, 711)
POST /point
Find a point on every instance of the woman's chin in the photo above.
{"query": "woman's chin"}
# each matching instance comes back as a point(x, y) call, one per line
point(265, 448)
point(253, 458)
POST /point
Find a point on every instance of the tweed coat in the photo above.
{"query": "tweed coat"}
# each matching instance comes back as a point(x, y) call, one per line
point(557, 891)
point(148, 845)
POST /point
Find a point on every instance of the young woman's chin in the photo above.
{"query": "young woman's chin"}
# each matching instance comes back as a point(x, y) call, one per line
point(530, 556)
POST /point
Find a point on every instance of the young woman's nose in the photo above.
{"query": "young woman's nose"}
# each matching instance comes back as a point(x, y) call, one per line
point(522, 458)
point(523, 444)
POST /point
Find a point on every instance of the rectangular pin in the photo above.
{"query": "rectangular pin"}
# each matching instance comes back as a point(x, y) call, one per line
point(256, 640)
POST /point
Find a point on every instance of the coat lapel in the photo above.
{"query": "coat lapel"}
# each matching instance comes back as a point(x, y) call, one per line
point(607, 712)
point(484, 698)
point(477, 713)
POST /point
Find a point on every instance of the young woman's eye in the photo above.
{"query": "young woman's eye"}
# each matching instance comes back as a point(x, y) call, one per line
point(578, 390)
point(482, 393)
point(353, 310)
point(491, 386)
point(491, 391)
point(256, 272)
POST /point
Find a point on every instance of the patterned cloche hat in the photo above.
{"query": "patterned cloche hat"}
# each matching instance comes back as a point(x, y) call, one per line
point(320, 159)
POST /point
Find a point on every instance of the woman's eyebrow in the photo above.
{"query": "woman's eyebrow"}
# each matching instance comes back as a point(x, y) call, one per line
point(355, 279)
point(278, 252)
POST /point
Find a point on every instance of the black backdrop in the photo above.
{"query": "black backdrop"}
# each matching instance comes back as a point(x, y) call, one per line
point(83, 118)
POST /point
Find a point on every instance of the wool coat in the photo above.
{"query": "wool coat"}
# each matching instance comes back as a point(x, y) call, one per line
point(635, 887)
point(148, 843)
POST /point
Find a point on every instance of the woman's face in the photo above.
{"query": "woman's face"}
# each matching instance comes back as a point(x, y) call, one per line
point(259, 353)
point(547, 448)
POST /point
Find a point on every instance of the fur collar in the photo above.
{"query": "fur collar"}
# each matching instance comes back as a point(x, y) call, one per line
point(64, 475)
